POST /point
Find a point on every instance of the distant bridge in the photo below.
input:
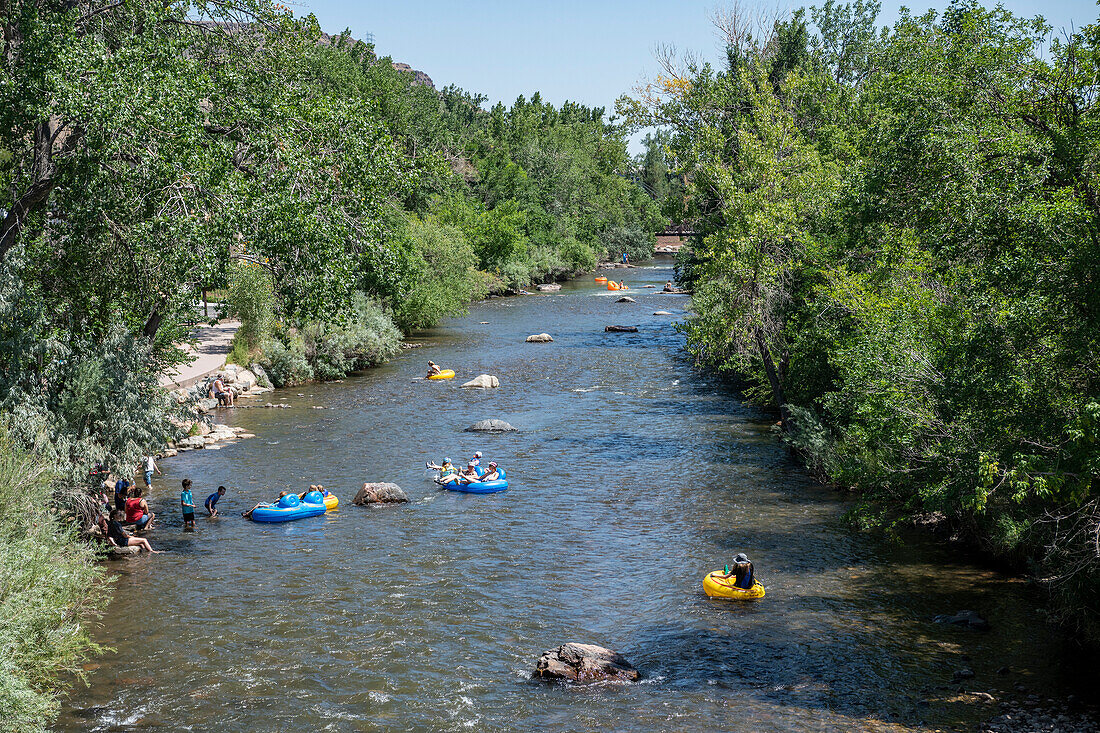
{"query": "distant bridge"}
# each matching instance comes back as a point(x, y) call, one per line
point(674, 237)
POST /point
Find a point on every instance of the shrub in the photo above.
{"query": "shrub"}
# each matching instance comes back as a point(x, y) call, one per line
point(252, 300)
point(49, 589)
point(284, 360)
point(444, 279)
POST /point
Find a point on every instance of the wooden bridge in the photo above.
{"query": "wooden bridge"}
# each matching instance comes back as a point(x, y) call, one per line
point(674, 237)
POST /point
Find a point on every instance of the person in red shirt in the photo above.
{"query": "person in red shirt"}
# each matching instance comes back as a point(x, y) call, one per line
point(137, 512)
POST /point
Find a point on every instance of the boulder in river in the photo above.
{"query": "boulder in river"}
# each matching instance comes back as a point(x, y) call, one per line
point(662, 313)
point(626, 299)
point(380, 493)
point(484, 381)
point(621, 329)
point(969, 619)
point(548, 288)
point(194, 441)
point(584, 663)
point(539, 338)
point(490, 426)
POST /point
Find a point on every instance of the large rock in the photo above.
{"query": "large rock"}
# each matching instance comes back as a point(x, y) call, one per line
point(549, 288)
point(539, 338)
point(969, 619)
point(484, 381)
point(207, 404)
point(621, 329)
point(194, 441)
point(202, 428)
point(662, 313)
point(246, 380)
point(626, 299)
point(584, 663)
point(382, 493)
point(490, 426)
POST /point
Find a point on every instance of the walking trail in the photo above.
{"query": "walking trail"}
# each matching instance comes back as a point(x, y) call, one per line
point(207, 351)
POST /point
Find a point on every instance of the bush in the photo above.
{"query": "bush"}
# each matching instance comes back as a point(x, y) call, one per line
point(49, 589)
point(332, 350)
point(444, 280)
point(284, 360)
point(251, 299)
point(637, 243)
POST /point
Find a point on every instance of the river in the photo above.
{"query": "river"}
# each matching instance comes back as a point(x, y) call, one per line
point(632, 474)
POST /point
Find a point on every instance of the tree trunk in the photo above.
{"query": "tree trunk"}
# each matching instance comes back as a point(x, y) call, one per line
point(773, 380)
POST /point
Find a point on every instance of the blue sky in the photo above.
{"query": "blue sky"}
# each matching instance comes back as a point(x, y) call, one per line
point(589, 52)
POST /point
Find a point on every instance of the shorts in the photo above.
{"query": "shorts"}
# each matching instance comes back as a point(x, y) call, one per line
point(140, 523)
point(189, 517)
point(148, 478)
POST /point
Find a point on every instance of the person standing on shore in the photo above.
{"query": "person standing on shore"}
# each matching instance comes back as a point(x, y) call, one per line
point(122, 493)
point(187, 504)
point(150, 465)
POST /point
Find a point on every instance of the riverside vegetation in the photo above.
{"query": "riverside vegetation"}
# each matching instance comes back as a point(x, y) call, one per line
point(898, 251)
point(151, 150)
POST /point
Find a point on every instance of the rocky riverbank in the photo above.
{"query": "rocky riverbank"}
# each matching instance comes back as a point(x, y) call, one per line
point(198, 426)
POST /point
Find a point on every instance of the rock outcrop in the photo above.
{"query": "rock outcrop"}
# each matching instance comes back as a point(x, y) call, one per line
point(539, 338)
point(548, 288)
point(583, 663)
point(380, 493)
point(621, 329)
point(490, 426)
point(483, 381)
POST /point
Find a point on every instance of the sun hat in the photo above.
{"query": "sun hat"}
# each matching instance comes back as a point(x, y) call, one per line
point(446, 460)
point(492, 464)
point(477, 455)
point(741, 557)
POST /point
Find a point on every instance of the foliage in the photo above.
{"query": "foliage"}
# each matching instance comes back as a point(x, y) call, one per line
point(444, 277)
point(252, 300)
point(899, 253)
point(49, 590)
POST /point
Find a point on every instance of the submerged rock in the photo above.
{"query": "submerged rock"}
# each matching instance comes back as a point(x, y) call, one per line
point(583, 663)
point(969, 619)
point(490, 426)
point(626, 299)
point(662, 313)
point(539, 338)
point(483, 381)
point(621, 329)
point(380, 493)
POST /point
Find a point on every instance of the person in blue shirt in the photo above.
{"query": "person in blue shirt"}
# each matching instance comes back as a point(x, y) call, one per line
point(211, 502)
point(187, 504)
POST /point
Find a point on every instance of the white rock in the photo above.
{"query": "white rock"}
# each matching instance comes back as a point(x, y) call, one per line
point(539, 338)
point(483, 381)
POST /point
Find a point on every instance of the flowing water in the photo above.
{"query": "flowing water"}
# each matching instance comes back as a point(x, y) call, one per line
point(632, 475)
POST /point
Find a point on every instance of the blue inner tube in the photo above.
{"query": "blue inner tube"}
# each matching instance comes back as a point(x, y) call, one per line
point(481, 487)
point(288, 509)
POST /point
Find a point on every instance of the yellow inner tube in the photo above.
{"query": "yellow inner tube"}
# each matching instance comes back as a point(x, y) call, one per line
point(715, 586)
point(445, 374)
point(331, 502)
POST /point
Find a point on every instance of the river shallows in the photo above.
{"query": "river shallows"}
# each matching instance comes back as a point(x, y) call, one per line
point(631, 476)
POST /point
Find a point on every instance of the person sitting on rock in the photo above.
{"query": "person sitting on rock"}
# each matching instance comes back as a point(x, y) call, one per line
point(742, 569)
point(668, 287)
point(119, 537)
point(221, 393)
point(491, 473)
point(248, 514)
point(137, 512)
point(433, 369)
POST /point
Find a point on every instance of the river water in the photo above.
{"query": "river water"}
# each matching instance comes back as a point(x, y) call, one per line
point(632, 475)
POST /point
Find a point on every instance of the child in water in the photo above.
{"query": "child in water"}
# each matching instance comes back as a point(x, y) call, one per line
point(742, 569)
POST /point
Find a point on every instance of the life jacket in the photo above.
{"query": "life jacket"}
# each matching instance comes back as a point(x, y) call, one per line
point(447, 471)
